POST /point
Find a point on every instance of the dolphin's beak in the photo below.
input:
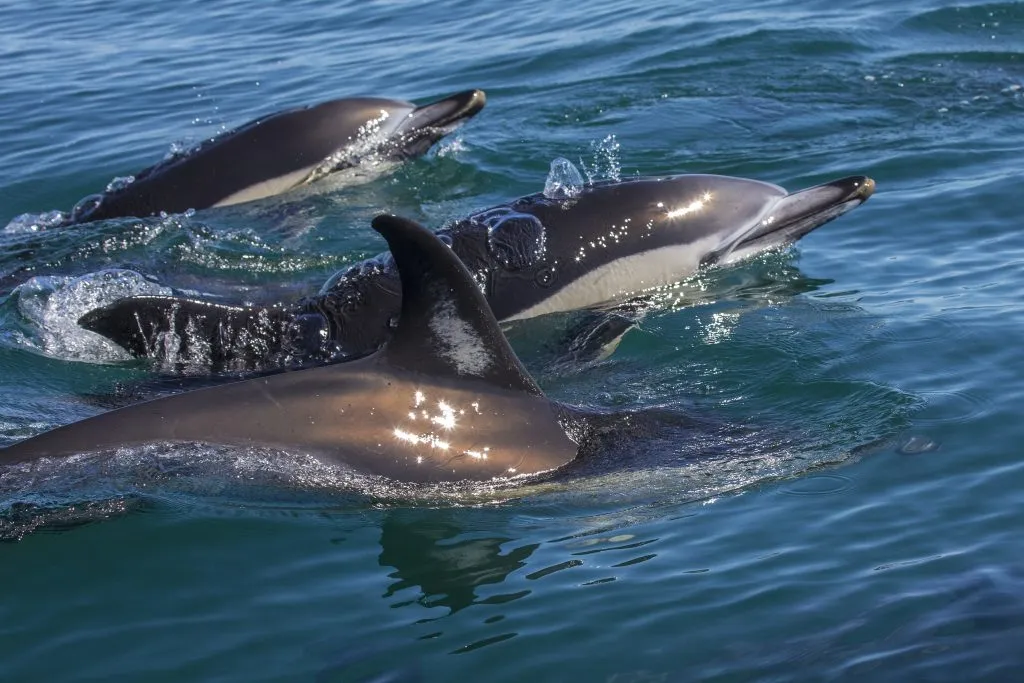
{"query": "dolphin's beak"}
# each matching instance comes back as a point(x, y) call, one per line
point(445, 115)
point(427, 124)
point(797, 214)
point(809, 204)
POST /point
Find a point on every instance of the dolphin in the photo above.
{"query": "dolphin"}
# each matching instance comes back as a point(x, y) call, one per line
point(531, 256)
point(445, 398)
point(281, 151)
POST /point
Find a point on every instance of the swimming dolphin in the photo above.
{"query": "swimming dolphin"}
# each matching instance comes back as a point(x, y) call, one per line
point(281, 151)
point(445, 399)
point(531, 256)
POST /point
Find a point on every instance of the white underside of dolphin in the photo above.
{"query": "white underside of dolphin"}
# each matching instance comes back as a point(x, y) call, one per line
point(624, 277)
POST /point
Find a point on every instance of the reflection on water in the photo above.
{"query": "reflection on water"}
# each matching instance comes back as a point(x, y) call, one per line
point(430, 550)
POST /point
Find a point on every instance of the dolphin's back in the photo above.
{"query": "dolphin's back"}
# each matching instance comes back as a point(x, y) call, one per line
point(262, 158)
point(445, 399)
point(361, 415)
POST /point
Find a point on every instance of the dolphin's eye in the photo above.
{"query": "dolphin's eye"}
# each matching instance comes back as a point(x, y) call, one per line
point(546, 276)
point(516, 240)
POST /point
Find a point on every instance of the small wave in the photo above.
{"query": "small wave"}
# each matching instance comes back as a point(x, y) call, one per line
point(92, 486)
point(451, 147)
point(987, 20)
point(818, 485)
point(36, 222)
point(952, 407)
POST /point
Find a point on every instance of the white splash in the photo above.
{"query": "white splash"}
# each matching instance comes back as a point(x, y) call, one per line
point(35, 222)
point(363, 150)
point(605, 161)
point(452, 147)
point(54, 304)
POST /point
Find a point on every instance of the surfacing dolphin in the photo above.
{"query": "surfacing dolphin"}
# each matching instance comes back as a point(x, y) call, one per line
point(281, 151)
point(531, 256)
point(445, 399)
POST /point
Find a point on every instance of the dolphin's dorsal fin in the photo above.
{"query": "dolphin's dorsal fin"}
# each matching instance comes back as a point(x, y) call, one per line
point(446, 327)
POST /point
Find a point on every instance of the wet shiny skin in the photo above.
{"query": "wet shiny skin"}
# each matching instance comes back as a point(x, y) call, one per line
point(362, 414)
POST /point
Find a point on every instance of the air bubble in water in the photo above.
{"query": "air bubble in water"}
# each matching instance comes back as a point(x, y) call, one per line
point(564, 180)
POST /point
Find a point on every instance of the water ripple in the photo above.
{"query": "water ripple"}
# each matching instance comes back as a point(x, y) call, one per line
point(797, 541)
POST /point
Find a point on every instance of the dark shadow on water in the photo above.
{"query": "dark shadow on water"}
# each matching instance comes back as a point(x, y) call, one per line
point(430, 550)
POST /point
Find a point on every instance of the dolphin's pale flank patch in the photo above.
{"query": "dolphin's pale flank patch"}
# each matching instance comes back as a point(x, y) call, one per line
point(458, 342)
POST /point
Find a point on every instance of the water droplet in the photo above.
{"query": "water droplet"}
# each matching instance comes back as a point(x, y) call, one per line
point(564, 180)
point(604, 162)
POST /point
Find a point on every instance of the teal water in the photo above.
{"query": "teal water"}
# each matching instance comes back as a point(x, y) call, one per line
point(863, 530)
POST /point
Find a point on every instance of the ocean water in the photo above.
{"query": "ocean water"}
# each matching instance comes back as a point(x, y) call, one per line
point(860, 526)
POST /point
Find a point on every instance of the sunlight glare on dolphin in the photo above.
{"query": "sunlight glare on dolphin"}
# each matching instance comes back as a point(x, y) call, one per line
point(693, 207)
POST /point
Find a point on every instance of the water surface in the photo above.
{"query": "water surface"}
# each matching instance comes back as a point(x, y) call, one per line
point(864, 530)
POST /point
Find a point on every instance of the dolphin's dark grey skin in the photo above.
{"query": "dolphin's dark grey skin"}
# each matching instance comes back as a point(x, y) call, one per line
point(532, 256)
point(281, 151)
point(445, 399)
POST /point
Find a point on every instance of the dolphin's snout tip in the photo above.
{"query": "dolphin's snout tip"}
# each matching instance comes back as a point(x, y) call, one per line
point(475, 101)
point(866, 188)
point(467, 103)
point(857, 187)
